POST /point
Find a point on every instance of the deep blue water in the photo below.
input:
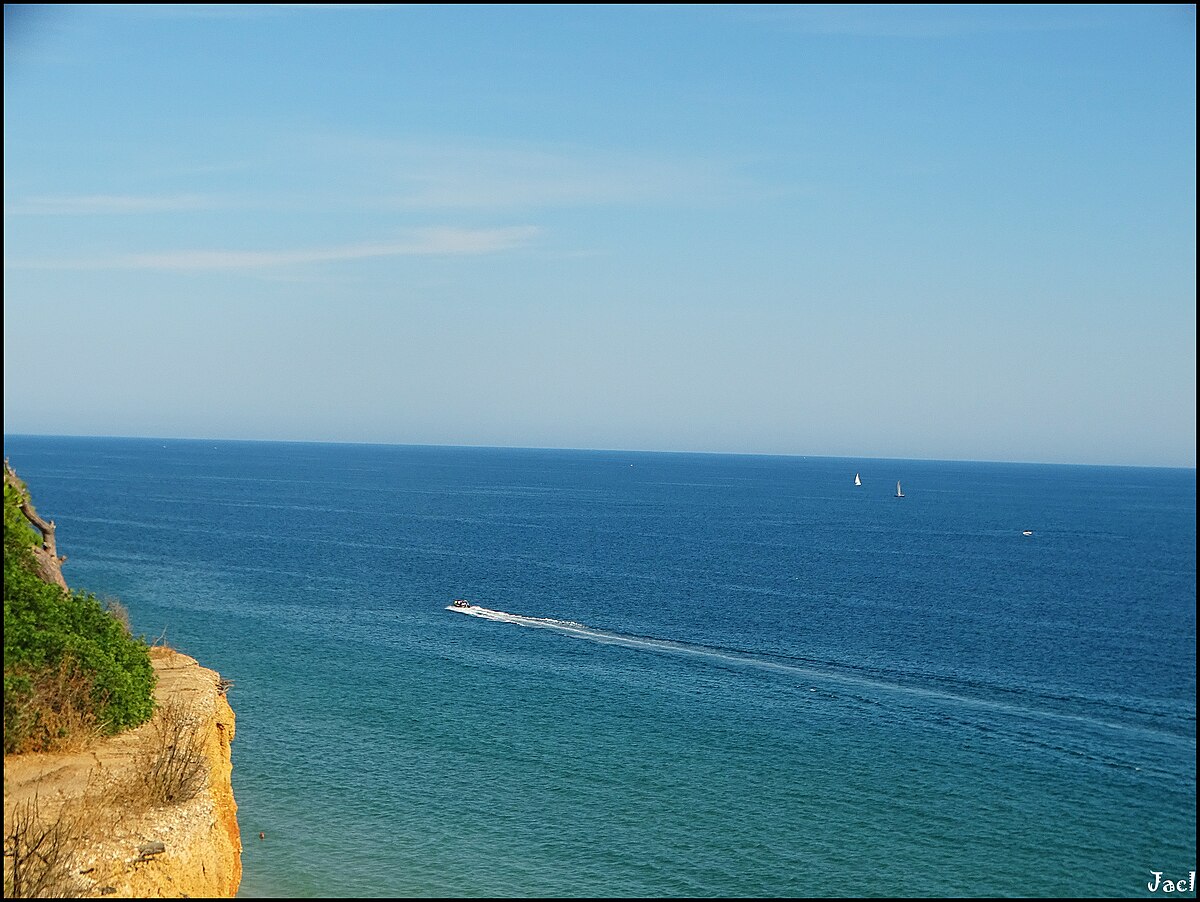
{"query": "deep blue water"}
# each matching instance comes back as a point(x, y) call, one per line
point(747, 676)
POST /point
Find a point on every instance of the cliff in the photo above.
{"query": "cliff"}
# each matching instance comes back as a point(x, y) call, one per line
point(101, 807)
point(46, 558)
point(147, 812)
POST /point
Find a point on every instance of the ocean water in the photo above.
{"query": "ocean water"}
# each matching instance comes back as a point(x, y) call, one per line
point(696, 675)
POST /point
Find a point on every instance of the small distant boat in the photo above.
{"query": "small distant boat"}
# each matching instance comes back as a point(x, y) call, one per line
point(1027, 532)
point(460, 603)
point(899, 494)
point(857, 481)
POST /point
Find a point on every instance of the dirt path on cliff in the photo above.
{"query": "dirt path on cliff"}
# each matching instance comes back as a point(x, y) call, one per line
point(60, 776)
point(201, 853)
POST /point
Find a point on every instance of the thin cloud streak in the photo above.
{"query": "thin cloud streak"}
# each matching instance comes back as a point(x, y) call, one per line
point(229, 11)
point(412, 175)
point(111, 204)
point(919, 22)
point(422, 242)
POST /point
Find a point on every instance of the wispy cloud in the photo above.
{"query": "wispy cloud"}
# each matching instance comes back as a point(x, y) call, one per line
point(432, 175)
point(883, 21)
point(429, 176)
point(331, 5)
point(110, 204)
point(230, 11)
point(420, 242)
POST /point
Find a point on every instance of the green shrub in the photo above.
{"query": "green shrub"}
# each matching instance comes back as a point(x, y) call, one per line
point(67, 661)
point(19, 537)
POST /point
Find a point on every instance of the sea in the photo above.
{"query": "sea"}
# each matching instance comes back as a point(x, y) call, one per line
point(683, 675)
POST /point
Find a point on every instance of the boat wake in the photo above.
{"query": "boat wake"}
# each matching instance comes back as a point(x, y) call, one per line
point(727, 656)
point(730, 656)
point(867, 685)
point(569, 627)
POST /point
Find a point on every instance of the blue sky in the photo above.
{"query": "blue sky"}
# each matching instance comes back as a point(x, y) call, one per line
point(924, 232)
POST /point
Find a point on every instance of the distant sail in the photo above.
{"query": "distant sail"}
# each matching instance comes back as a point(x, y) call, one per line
point(857, 481)
point(899, 494)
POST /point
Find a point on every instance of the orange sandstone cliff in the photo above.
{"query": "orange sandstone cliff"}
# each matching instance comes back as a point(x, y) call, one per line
point(146, 813)
point(113, 841)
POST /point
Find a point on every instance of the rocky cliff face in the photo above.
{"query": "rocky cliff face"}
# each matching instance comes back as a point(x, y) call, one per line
point(202, 847)
point(116, 841)
point(147, 813)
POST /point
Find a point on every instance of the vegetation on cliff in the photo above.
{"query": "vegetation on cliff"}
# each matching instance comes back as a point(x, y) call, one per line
point(71, 668)
point(146, 812)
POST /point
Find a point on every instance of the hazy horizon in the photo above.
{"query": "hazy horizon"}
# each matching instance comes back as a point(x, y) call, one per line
point(936, 233)
point(695, 451)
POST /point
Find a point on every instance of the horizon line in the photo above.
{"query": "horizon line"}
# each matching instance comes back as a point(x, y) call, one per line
point(386, 444)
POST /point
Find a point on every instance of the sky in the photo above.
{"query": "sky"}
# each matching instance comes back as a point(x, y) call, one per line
point(937, 232)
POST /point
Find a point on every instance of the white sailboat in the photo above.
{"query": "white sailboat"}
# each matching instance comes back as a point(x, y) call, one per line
point(899, 494)
point(857, 481)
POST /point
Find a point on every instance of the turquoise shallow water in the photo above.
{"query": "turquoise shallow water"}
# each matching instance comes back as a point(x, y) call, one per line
point(704, 675)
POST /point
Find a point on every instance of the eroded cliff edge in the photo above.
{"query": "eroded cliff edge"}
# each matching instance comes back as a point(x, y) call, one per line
point(118, 843)
point(147, 812)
